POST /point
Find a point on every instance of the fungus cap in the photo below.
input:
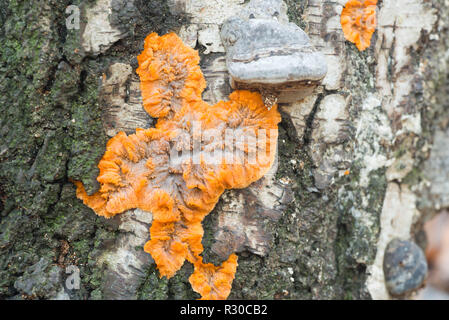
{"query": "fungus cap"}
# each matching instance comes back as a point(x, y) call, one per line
point(265, 52)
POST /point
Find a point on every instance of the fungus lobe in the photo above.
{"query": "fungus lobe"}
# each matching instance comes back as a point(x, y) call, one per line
point(358, 21)
point(179, 169)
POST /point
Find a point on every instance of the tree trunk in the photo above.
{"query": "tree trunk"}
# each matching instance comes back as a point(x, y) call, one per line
point(361, 162)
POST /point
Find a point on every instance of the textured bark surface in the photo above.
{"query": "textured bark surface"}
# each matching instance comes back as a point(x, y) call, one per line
point(360, 162)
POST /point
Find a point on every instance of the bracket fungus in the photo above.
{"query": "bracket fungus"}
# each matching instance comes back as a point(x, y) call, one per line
point(179, 169)
point(358, 21)
point(265, 52)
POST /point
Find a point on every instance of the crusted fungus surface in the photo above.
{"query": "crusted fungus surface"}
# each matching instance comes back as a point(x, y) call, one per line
point(358, 21)
point(214, 283)
point(178, 170)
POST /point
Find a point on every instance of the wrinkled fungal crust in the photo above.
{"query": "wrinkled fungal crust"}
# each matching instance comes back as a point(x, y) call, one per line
point(358, 21)
point(178, 170)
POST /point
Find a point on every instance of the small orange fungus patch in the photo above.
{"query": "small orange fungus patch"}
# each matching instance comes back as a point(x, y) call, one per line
point(214, 283)
point(358, 21)
point(180, 188)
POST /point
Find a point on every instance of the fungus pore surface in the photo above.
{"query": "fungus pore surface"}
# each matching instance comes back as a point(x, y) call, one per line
point(358, 21)
point(178, 169)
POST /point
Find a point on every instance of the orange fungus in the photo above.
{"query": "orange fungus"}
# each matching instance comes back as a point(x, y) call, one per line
point(179, 169)
point(358, 21)
point(213, 283)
